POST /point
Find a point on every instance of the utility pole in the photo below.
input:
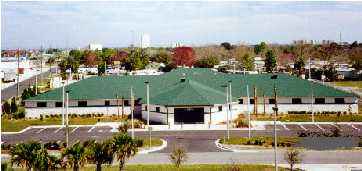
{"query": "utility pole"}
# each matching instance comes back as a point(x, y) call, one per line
point(117, 105)
point(105, 68)
point(36, 84)
point(310, 68)
point(122, 106)
point(132, 107)
point(248, 111)
point(255, 102)
point(67, 120)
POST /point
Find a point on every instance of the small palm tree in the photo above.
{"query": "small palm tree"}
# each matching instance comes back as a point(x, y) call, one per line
point(100, 153)
point(178, 156)
point(292, 156)
point(24, 154)
point(43, 160)
point(124, 147)
point(75, 155)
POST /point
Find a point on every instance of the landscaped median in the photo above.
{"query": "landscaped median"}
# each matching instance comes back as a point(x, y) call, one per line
point(193, 167)
point(334, 117)
point(16, 125)
point(244, 143)
point(156, 144)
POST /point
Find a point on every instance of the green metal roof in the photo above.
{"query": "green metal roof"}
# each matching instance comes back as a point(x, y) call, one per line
point(202, 87)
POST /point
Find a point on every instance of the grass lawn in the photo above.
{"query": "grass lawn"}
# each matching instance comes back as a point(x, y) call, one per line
point(17, 125)
point(154, 142)
point(194, 167)
point(308, 118)
point(357, 84)
point(261, 141)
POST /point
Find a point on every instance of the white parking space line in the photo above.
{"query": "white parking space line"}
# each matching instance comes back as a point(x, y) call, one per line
point(354, 127)
point(90, 130)
point(58, 130)
point(40, 130)
point(74, 129)
point(285, 127)
point(334, 125)
point(305, 129)
point(319, 127)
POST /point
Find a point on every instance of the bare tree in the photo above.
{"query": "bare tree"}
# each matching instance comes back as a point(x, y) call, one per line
point(292, 156)
point(178, 156)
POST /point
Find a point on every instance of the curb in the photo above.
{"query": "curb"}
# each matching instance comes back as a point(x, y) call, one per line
point(220, 146)
point(153, 149)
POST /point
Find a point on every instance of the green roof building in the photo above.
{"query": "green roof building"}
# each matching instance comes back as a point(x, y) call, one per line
point(193, 95)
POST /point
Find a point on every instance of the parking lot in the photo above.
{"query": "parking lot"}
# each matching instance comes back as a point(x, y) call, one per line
point(203, 138)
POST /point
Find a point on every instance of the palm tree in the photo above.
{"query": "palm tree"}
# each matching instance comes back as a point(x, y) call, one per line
point(100, 153)
point(124, 147)
point(24, 154)
point(75, 155)
point(43, 160)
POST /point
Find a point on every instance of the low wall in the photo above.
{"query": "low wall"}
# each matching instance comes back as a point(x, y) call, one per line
point(36, 112)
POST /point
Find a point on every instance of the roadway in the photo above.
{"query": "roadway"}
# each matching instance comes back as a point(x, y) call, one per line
point(11, 91)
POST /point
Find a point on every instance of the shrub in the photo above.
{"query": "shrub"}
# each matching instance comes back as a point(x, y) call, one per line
point(240, 122)
point(178, 156)
point(20, 114)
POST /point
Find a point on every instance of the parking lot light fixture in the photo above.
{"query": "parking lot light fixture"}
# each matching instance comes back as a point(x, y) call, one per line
point(275, 109)
point(67, 119)
point(148, 102)
point(227, 111)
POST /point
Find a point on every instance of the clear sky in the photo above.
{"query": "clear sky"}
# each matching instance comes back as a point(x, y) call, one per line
point(115, 24)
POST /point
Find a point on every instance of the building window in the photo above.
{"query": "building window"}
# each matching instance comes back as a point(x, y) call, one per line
point(82, 103)
point(107, 103)
point(146, 108)
point(126, 102)
point(252, 101)
point(320, 101)
point(220, 108)
point(157, 109)
point(271, 101)
point(296, 101)
point(241, 101)
point(339, 101)
point(41, 104)
point(58, 104)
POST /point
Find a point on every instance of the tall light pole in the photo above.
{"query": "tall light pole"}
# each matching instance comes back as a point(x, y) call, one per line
point(275, 108)
point(17, 76)
point(132, 106)
point(148, 103)
point(248, 110)
point(230, 102)
point(63, 103)
point(67, 119)
point(312, 101)
point(227, 111)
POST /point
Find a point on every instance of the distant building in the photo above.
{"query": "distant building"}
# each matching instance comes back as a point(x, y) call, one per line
point(95, 47)
point(146, 41)
point(259, 63)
